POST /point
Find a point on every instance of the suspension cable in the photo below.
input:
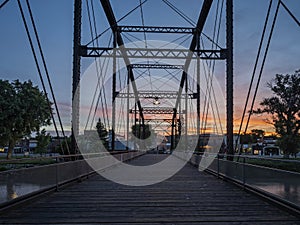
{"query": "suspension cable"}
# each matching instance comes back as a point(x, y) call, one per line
point(92, 35)
point(143, 22)
point(188, 19)
point(38, 68)
point(47, 73)
point(211, 68)
point(216, 34)
point(253, 73)
point(262, 66)
point(104, 77)
point(104, 112)
point(291, 14)
point(100, 93)
point(180, 13)
point(4, 3)
point(145, 40)
point(123, 17)
point(104, 94)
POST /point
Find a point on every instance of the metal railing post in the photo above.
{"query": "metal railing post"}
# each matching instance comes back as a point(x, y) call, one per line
point(218, 160)
point(244, 178)
point(56, 174)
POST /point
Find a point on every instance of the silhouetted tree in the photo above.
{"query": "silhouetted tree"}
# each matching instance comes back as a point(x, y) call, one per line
point(141, 131)
point(246, 139)
point(284, 108)
point(43, 140)
point(257, 134)
point(102, 133)
point(23, 110)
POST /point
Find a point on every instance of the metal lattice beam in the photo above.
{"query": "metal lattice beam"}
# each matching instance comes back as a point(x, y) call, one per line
point(156, 110)
point(154, 94)
point(153, 53)
point(154, 29)
point(161, 121)
point(156, 66)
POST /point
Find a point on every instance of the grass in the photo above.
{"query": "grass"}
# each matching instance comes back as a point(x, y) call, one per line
point(283, 165)
point(24, 163)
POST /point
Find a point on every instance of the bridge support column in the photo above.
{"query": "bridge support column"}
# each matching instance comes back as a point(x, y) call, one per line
point(128, 109)
point(76, 73)
point(173, 133)
point(198, 91)
point(229, 76)
point(186, 110)
point(114, 81)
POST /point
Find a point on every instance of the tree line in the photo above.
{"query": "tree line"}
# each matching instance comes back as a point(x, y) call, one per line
point(25, 109)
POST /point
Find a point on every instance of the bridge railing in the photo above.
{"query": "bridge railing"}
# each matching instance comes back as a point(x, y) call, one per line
point(23, 183)
point(280, 185)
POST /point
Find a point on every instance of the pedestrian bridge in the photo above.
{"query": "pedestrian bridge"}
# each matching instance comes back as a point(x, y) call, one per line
point(188, 197)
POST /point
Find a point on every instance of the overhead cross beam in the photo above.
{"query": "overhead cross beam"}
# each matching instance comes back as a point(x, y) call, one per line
point(156, 120)
point(156, 110)
point(152, 29)
point(156, 66)
point(154, 53)
point(154, 94)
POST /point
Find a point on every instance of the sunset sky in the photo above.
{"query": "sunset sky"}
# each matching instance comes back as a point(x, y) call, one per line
point(54, 19)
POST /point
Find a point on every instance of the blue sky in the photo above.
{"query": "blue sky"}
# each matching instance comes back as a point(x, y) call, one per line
point(54, 20)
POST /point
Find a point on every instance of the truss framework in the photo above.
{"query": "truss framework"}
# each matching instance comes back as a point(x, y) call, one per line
point(156, 66)
point(155, 29)
point(154, 94)
point(156, 110)
point(84, 51)
point(153, 53)
point(161, 121)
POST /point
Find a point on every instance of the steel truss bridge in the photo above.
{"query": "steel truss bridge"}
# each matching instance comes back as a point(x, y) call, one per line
point(155, 103)
point(119, 49)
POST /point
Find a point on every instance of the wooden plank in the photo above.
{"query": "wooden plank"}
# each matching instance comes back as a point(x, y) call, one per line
point(189, 197)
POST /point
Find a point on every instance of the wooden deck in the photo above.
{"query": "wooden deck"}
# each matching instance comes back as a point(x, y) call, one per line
point(190, 197)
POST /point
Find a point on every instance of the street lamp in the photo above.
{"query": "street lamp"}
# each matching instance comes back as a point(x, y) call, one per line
point(156, 102)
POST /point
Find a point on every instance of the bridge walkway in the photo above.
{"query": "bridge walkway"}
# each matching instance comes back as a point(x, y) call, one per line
point(189, 197)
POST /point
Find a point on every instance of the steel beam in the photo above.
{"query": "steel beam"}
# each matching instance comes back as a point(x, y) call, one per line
point(114, 81)
point(156, 110)
point(229, 76)
point(154, 53)
point(155, 29)
point(113, 24)
point(156, 66)
point(169, 121)
point(199, 28)
point(154, 94)
point(76, 73)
